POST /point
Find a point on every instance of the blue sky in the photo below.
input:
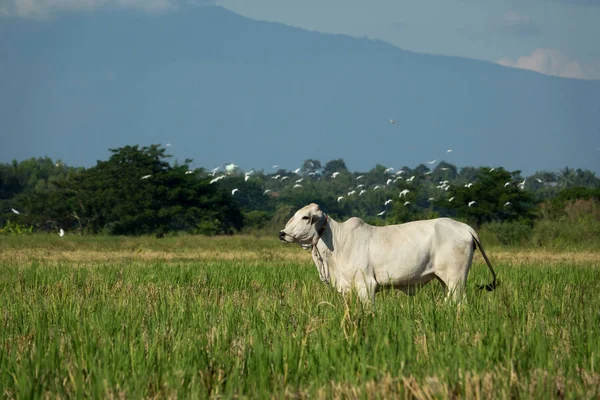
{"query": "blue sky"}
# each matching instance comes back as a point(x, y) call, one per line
point(555, 37)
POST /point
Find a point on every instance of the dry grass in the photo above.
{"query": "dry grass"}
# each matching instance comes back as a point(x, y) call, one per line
point(285, 253)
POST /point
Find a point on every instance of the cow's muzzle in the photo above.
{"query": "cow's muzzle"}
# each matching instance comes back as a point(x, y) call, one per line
point(282, 236)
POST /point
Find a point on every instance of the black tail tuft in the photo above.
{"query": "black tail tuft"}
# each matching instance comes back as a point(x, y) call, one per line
point(490, 287)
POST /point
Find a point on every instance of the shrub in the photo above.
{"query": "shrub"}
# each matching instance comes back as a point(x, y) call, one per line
point(509, 233)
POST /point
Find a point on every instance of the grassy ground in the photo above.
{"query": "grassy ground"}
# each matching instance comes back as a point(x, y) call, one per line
point(248, 317)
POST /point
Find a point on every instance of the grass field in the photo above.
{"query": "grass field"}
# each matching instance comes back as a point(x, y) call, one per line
point(194, 317)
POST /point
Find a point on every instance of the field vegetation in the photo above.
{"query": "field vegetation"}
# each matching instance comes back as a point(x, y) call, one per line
point(245, 316)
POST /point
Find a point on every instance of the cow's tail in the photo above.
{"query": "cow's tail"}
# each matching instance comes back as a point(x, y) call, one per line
point(477, 242)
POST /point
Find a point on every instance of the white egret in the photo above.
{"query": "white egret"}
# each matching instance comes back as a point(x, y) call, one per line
point(468, 185)
point(431, 162)
point(508, 203)
point(61, 233)
point(388, 201)
point(388, 170)
point(335, 174)
point(538, 180)
point(451, 198)
point(299, 180)
point(296, 171)
point(521, 185)
point(506, 184)
point(340, 198)
point(275, 166)
point(362, 192)
point(217, 179)
point(444, 168)
point(381, 213)
point(246, 178)
point(360, 186)
point(431, 199)
point(285, 177)
point(400, 172)
point(234, 190)
point(189, 171)
point(449, 151)
point(389, 181)
point(352, 192)
point(146, 176)
point(404, 192)
point(297, 185)
point(276, 177)
point(267, 191)
point(359, 177)
point(407, 203)
point(412, 178)
point(15, 211)
point(492, 169)
point(376, 187)
point(472, 203)
point(391, 121)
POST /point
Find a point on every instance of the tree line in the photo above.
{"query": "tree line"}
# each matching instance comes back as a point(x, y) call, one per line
point(139, 191)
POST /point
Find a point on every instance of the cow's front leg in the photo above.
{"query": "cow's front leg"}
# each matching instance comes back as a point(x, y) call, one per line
point(365, 286)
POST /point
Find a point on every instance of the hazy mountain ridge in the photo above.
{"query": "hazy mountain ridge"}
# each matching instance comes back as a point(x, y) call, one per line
point(221, 87)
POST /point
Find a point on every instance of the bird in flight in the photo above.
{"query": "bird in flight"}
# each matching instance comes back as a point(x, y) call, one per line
point(391, 121)
point(388, 201)
point(451, 198)
point(449, 151)
point(15, 211)
point(340, 198)
point(296, 171)
point(267, 191)
point(361, 192)
point(508, 203)
point(234, 190)
point(335, 174)
point(297, 185)
point(359, 177)
point(381, 213)
point(472, 203)
point(388, 170)
point(189, 171)
point(404, 192)
point(407, 203)
point(431, 162)
point(146, 176)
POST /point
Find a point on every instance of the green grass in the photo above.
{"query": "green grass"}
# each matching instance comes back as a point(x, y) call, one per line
point(268, 328)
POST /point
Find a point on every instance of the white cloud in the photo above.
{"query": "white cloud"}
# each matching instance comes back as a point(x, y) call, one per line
point(553, 62)
point(45, 8)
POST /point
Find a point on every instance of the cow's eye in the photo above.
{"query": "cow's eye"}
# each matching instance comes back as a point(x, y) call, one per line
point(305, 217)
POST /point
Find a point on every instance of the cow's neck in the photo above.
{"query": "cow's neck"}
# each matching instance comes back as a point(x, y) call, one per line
point(326, 245)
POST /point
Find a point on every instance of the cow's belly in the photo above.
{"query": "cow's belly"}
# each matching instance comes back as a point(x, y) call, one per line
point(403, 269)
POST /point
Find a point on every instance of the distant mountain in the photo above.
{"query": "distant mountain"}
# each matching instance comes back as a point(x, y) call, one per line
point(224, 88)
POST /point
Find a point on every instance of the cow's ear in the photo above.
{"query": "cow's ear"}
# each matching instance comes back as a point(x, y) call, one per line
point(314, 218)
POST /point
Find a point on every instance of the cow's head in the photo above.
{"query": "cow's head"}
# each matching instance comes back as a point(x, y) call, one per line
point(304, 226)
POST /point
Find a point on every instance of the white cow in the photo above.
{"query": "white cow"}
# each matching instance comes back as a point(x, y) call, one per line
point(356, 255)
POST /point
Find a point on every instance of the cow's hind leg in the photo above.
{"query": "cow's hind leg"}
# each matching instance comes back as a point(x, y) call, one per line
point(453, 277)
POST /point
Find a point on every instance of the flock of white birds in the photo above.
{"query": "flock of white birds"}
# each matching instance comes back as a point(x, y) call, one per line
point(393, 177)
point(360, 189)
